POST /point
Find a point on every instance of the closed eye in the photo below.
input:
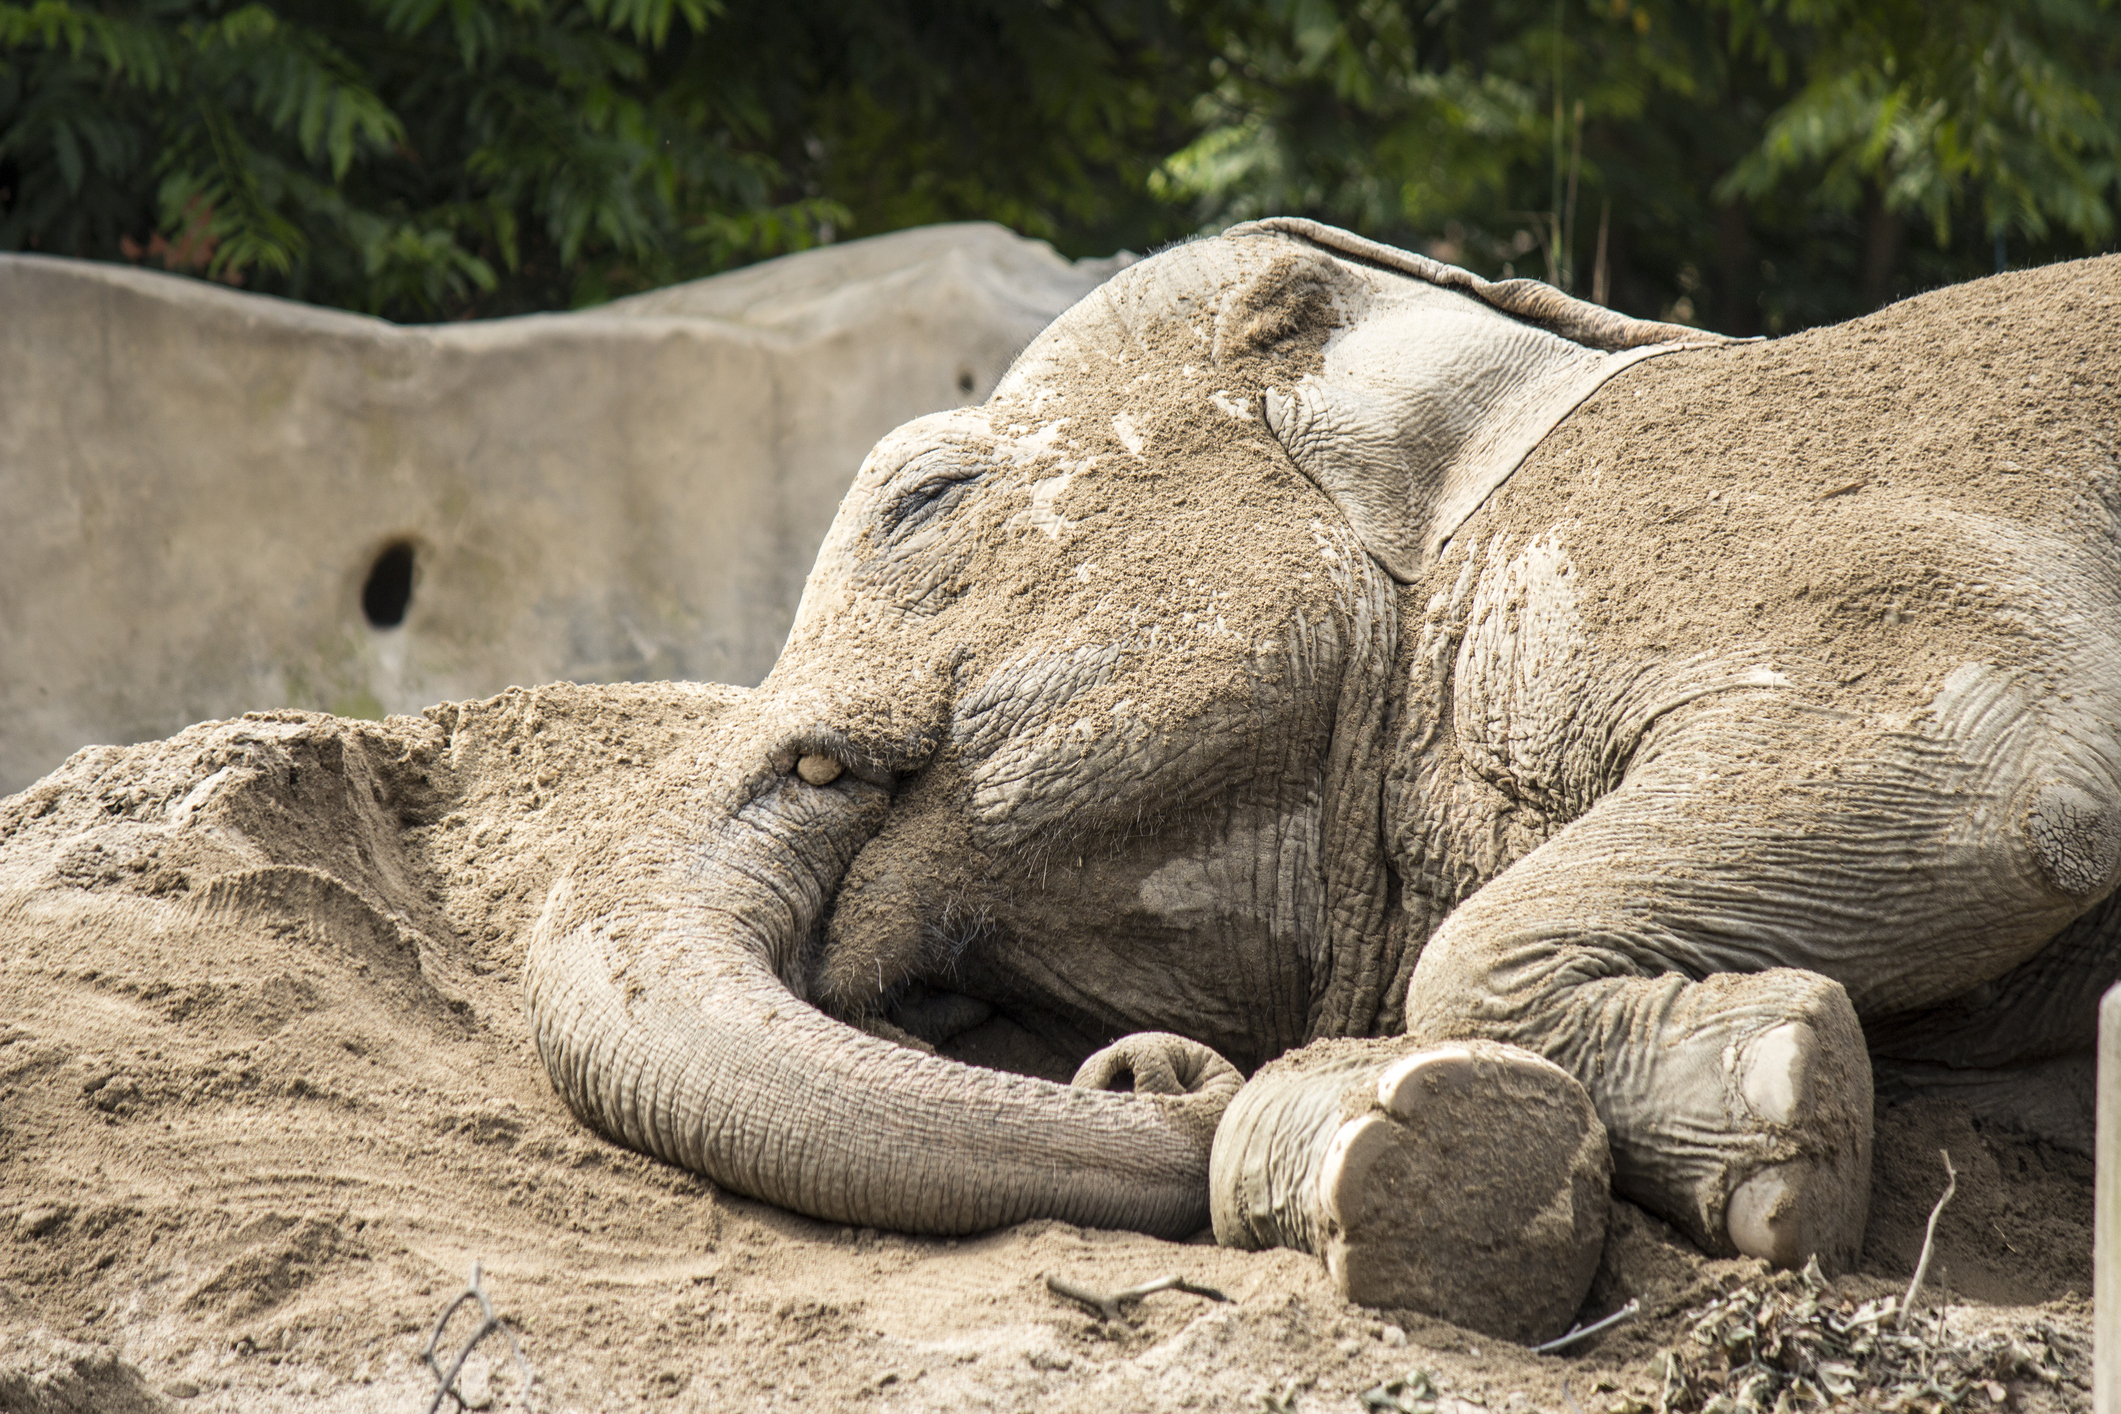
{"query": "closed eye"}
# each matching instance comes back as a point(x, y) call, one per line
point(930, 496)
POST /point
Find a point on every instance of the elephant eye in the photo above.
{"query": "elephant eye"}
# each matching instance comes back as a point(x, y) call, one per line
point(933, 490)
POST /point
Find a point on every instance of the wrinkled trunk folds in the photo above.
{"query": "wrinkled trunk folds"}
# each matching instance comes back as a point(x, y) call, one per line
point(660, 1010)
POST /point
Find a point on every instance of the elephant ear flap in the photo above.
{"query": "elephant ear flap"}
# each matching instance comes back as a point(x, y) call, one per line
point(1422, 413)
point(1426, 405)
point(1349, 445)
point(1430, 397)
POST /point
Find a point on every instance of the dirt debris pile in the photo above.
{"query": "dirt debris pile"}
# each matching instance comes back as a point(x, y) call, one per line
point(1791, 1341)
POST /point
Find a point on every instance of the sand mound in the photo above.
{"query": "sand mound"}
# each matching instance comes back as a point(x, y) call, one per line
point(266, 1092)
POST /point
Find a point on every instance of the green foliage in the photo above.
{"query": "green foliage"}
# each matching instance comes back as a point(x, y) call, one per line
point(1931, 103)
point(1747, 163)
point(424, 158)
point(1753, 164)
point(410, 157)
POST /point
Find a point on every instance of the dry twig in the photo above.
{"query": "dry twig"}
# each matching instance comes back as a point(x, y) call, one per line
point(1929, 1237)
point(1108, 1306)
point(1789, 1341)
point(488, 1324)
point(1625, 1313)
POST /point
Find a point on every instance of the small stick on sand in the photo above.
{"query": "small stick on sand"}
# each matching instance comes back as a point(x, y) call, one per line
point(1108, 1306)
point(489, 1323)
point(1625, 1313)
point(1929, 1236)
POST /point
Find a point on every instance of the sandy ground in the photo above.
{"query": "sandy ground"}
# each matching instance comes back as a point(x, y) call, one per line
point(267, 1093)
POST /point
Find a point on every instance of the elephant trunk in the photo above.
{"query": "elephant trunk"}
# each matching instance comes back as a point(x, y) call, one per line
point(659, 1007)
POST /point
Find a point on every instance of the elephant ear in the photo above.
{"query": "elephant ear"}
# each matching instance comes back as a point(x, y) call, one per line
point(1439, 387)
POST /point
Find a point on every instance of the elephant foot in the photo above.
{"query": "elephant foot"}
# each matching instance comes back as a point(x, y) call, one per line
point(1467, 1181)
point(1473, 1187)
point(1762, 1114)
point(1813, 1204)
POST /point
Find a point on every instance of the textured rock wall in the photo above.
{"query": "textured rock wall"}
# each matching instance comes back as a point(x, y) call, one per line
point(200, 484)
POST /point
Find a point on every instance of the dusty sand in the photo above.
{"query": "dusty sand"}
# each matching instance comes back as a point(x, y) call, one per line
point(267, 1092)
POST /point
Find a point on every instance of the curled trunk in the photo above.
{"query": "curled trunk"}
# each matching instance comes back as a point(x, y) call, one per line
point(664, 1021)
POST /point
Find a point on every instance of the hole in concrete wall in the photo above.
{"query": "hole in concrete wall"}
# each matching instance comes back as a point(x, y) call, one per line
point(388, 592)
point(964, 381)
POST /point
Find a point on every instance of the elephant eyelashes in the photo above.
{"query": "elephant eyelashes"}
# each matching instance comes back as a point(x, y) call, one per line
point(928, 498)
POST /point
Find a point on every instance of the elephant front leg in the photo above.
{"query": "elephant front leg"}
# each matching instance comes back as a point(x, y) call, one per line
point(1736, 1093)
point(1467, 1180)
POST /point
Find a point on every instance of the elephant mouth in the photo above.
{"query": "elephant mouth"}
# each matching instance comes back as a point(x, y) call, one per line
point(898, 917)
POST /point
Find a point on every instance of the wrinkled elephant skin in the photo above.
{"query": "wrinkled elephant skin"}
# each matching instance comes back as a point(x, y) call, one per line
point(1230, 682)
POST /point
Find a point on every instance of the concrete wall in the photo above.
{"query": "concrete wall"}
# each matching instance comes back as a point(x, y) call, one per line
point(195, 483)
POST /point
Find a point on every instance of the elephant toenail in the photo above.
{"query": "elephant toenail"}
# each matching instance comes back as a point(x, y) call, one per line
point(1772, 1063)
point(1275, 409)
point(1401, 1088)
point(1760, 1218)
point(819, 770)
point(1355, 1150)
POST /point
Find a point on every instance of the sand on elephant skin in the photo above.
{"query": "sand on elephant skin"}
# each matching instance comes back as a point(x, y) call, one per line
point(1801, 491)
point(267, 1090)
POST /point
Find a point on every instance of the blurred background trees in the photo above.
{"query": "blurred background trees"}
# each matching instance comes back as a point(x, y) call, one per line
point(1753, 165)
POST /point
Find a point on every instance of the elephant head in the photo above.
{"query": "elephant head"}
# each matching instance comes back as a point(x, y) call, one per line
point(1078, 742)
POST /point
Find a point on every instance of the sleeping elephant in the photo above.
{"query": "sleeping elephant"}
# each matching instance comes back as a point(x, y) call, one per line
point(1212, 697)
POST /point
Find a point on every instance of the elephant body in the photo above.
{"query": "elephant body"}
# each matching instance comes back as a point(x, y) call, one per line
point(1308, 641)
